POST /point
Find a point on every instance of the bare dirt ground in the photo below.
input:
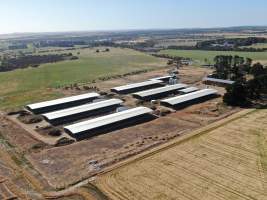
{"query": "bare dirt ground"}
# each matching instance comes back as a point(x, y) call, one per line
point(66, 165)
point(224, 161)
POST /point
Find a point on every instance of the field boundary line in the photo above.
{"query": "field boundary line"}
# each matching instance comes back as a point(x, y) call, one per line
point(197, 133)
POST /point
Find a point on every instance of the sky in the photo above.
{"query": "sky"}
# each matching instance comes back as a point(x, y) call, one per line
point(91, 15)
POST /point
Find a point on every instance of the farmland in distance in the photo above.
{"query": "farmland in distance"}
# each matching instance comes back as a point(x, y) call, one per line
point(206, 57)
point(24, 86)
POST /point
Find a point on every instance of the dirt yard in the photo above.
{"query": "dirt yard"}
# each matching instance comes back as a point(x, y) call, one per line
point(86, 158)
point(66, 165)
point(226, 161)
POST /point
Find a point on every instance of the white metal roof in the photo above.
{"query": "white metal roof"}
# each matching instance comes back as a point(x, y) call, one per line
point(218, 80)
point(108, 119)
point(81, 109)
point(137, 85)
point(62, 101)
point(190, 96)
point(160, 90)
point(188, 90)
point(161, 78)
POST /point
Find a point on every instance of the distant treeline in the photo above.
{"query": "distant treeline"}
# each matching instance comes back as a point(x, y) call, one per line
point(232, 44)
point(58, 43)
point(175, 58)
point(17, 46)
point(9, 64)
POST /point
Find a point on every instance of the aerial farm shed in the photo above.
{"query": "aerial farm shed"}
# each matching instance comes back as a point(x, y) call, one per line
point(163, 78)
point(135, 87)
point(57, 104)
point(160, 92)
point(109, 123)
point(189, 99)
point(217, 82)
point(81, 112)
point(188, 90)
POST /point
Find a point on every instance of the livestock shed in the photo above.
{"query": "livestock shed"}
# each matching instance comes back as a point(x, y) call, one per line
point(81, 112)
point(189, 99)
point(216, 81)
point(109, 122)
point(135, 87)
point(57, 104)
point(163, 78)
point(188, 90)
point(159, 92)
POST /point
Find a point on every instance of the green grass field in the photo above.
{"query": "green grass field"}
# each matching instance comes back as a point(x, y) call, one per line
point(20, 87)
point(199, 56)
point(257, 46)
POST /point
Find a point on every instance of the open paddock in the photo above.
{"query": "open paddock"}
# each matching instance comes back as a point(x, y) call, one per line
point(227, 161)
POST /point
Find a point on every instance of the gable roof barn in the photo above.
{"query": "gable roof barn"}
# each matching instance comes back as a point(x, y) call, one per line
point(79, 112)
point(157, 92)
point(57, 104)
point(136, 86)
point(101, 124)
point(189, 98)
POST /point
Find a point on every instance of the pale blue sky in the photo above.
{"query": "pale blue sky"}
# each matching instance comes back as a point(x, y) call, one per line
point(87, 15)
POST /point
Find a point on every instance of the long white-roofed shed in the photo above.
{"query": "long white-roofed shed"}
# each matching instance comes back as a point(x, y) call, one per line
point(158, 92)
point(188, 99)
point(163, 78)
point(188, 90)
point(108, 123)
point(61, 103)
point(135, 87)
point(216, 81)
point(83, 111)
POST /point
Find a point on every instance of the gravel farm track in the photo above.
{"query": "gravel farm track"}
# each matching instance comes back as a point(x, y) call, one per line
point(225, 160)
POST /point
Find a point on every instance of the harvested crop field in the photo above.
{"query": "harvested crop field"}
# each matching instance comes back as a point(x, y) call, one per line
point(225, 161)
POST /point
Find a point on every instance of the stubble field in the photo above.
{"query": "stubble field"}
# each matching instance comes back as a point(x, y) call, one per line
point(228, 162)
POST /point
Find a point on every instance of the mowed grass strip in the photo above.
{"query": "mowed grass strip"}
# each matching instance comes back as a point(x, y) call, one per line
point(228, 162)
point(199, 56)
point(20, 87)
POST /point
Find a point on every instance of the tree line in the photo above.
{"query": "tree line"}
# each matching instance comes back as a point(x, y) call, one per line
point(231, 44)
point(9, 64)
point(250, 79)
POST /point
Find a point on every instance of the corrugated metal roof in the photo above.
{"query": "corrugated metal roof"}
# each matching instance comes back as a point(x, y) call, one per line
point(62, 101)
point(161, 78)
point(218, 80)
point(81, 109)
point(137, 85)
point(160, 90)
point(187, 97)
point(188, 90)
point(108, 119)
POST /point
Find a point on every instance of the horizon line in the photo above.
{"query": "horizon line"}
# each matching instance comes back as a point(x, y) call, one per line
point(129, 29)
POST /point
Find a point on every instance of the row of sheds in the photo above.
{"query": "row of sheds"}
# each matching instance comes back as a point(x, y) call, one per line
point(68, 110)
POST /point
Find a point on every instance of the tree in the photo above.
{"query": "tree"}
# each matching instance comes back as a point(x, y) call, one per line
point(257, 87)
point(257, 70)
point(236, 94)
point(223, 66)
